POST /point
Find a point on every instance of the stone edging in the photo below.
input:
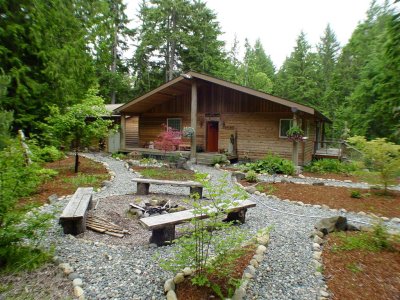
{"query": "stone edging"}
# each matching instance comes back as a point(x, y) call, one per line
point(323, 206)
point(261, 241)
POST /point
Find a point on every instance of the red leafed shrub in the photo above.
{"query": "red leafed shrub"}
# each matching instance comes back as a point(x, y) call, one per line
point(169, 139)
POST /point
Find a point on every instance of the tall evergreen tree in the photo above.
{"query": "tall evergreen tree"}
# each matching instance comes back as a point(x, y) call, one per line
point(175, 36)
point(297, 78)
point(44, 52)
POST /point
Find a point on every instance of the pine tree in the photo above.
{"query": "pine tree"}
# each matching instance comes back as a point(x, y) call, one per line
point(297, 78)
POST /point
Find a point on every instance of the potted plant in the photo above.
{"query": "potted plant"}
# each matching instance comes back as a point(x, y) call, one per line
point(188, 132)
point(295, 134)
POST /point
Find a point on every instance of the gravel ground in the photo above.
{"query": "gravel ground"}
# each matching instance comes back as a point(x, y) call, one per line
point(130, 269)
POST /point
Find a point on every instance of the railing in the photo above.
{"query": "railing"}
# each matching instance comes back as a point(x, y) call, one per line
point(336, 148)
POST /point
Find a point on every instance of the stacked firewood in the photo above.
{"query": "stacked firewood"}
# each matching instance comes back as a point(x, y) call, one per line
point(103, 226)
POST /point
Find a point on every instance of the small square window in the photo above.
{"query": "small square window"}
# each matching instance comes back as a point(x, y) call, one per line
point(284, 126)
point(174, 123)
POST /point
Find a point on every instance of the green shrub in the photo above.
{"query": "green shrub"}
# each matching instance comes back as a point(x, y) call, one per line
point(19, 180)
point(119, 155)
point(328, 165)
point(48, 154)
point(271, 164)
point(251, 176)
point(355, 194)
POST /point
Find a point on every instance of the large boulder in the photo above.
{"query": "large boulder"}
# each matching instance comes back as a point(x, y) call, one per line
point(332, 224)
point(239, 175)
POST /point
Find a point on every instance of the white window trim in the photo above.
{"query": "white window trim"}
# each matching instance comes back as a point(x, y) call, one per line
point(280, 123)
point(180, 121)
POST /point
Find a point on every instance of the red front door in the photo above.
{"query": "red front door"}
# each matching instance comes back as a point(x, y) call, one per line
point(212, 136)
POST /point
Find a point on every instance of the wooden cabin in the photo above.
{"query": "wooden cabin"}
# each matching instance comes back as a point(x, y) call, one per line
point(227, 118)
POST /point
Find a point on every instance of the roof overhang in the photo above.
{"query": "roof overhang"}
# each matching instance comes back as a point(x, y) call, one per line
point(182, 84)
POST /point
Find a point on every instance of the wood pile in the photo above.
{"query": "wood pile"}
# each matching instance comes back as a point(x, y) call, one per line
point(103, 226)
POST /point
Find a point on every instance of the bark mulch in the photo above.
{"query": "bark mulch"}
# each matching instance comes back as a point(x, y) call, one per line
point(61, 184)
point(361, 274)
point(372, 201)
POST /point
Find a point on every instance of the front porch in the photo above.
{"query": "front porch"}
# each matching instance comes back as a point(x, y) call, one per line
point(204, 158)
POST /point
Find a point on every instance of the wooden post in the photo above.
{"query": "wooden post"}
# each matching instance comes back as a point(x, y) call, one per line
point(123, 132)
point(295, 151)
point(193, 121)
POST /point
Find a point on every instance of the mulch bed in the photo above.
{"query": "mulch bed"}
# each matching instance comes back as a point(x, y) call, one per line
point(361, 274)
point(59, 186)
point(372, 201)
point(340, 177)
point(187, 291)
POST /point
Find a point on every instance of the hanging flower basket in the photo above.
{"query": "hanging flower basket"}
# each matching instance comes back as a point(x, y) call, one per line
point(188, 132)
point(295, 134)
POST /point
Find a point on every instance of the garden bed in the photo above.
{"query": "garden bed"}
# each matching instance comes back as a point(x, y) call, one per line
point(373, 201)
point(165, 173)
point(361, 273)
point(187, 291)
point(66, 182)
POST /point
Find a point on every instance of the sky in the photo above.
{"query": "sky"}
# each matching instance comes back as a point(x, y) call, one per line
point(279, 22)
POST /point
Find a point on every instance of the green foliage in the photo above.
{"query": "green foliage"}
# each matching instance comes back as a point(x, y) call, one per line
point(355, 194)
point(80, 123)
point(327, 165)
point(119, 155)
point(375, 241)
point(381, 156)
point(271, 164)
point(82, 180)
point(19, 180)
point(295, 133)
point(210, 246)
point(6, 119)
point(268, 189)
point(354, 267)
point(48, 154)
point(251, 176)
point(167, 173)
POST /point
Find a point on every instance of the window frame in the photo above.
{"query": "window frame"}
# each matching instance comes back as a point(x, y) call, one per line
point(280, 127)
point(180, 123)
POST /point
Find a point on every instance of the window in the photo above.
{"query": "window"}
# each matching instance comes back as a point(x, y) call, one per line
point(174, 123)
point(284, 126)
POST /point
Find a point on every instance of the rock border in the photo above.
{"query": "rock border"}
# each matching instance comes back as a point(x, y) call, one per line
point(261, 241)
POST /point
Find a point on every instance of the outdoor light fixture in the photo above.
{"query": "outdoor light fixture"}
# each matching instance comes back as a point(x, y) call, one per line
point(294, 109)
point(187, 76)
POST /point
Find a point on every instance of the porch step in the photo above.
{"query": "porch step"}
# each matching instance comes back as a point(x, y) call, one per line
point(209, 158)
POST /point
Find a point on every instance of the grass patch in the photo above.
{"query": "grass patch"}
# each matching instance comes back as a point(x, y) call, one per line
point(354, 267)
point(268, 189)
point(164, 173)
point(374, 241)
point(24, 258)
point(85, 180)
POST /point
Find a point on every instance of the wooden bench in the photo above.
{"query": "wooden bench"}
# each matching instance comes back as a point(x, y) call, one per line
point(143, 185)
point(163, 226)
point(73, 218)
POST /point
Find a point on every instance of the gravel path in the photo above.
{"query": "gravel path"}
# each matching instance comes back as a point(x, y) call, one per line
point(132, 271)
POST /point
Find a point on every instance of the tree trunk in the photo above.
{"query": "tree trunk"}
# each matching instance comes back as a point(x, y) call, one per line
point(171, 62)
point(76, 160)
point(114, 62)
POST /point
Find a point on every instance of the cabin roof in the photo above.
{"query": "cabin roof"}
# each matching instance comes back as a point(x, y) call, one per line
point(182, 84)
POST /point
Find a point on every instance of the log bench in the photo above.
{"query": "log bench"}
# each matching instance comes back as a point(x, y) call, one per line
point(143, 185)
point(163, 226)
point(73, 218)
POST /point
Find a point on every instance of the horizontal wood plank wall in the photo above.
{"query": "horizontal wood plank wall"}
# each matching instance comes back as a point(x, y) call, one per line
point(132, 132)
point(257, 135)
